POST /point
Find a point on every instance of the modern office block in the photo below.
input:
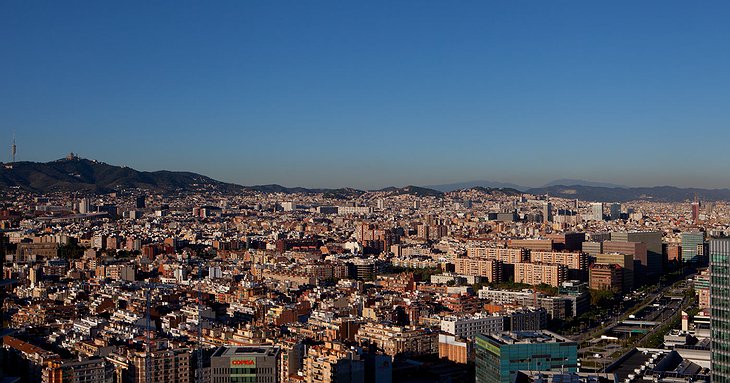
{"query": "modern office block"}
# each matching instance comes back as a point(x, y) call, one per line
point(500, 356)
point(615, 211)
point(692, 246)
point(652, 263)
point(245, 364)
point(720, 309)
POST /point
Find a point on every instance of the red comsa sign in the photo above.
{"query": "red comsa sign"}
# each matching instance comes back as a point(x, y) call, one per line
point(243, 362)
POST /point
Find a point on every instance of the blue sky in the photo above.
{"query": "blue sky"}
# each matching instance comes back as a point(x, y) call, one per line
point(374, 93)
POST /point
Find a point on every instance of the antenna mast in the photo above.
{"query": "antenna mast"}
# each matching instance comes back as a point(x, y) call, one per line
point(13, 150)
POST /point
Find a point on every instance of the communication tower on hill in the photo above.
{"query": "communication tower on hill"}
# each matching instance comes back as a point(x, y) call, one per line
point(13, 150)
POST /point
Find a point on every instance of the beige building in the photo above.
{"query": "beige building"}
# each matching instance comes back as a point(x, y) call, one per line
point(332, 362)
point(532, 244)
point(606, 277)
point(626, 261)
point(395, 340)
point(165, 366)
point(75, 371)
point(536, 273)
point(575, 261)
point(498, 253)
point(455, 349)
point(491, 269)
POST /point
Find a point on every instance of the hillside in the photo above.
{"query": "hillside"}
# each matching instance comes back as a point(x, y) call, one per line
point(409, 190)
point(78, 174)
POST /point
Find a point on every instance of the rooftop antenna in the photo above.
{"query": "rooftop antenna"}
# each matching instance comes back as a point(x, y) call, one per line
point(13, 150)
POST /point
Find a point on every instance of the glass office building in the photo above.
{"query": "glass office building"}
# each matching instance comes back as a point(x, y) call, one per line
point(500, 356)
point(720, 309)
point(691, 242)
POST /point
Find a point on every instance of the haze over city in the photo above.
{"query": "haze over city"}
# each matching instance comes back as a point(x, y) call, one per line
point(373, 94)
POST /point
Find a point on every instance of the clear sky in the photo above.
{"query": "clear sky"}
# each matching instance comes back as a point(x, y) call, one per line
point(374, 93)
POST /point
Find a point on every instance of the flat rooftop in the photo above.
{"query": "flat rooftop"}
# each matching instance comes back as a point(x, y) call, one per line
point(525, 337)
point(233, 351)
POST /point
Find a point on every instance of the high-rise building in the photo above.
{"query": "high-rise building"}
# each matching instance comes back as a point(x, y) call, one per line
point(695, 212)
point(139, 202)
point(35, 274)
point(547, 212)
point(615, 211)
point(500, 356)
point(491, 269)
point(573, 261)
point(288, 205)
point(532, 244)
point(702, 289)
point(693, 246)
point(637, 251)
point(84, 206)
point(512, 255)
point(720, 309)
point(536, 274)
point(592, 247)
point(605, 276)
point(652, 262)
point(245, 364)
point(597, 211)
point(626, 261)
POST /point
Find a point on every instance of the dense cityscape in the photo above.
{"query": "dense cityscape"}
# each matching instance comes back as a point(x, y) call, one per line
point(377, 191)
point(401, 284)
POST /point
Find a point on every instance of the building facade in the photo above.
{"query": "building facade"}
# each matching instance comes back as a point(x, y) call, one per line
point(535, 274)
point(500, 356)
point(692, 245)
point(720, 309)
point(245, 364)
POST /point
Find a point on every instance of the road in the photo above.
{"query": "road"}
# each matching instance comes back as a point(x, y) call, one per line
point(665, 317)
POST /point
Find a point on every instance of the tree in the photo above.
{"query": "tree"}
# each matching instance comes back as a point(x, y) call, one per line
point(601, 298)
point(70, 251)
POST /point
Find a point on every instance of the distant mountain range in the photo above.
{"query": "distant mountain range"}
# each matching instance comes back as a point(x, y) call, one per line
point(472, 184)
point(507, 185)
point(615, 194)
point(570, 181)
point(77, 174)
